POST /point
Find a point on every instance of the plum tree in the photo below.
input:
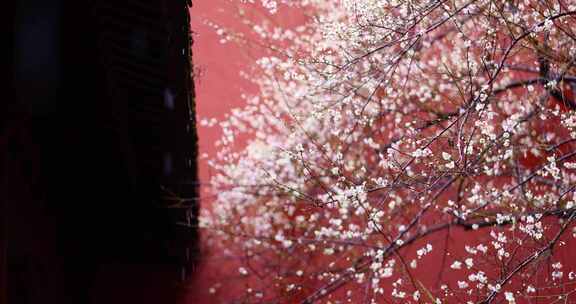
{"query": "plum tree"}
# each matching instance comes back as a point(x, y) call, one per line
point(416, 151)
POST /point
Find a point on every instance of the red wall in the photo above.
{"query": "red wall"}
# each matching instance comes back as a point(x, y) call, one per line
point(218, 89)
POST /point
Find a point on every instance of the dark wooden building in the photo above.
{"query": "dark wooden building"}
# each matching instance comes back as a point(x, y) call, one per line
point(98, 153)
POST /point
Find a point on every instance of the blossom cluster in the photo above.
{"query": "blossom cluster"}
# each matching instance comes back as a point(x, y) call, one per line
point(391, 136)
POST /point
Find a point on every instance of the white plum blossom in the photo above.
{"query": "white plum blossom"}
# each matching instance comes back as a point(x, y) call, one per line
point(456, 265)
point(510, 297)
